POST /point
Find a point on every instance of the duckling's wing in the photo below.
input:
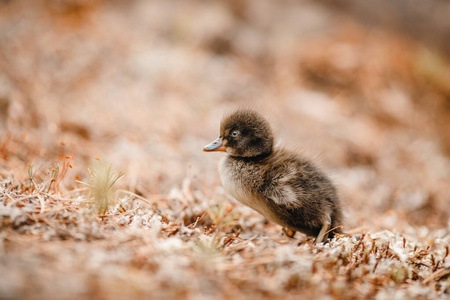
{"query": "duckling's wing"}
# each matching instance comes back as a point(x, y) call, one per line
point(278, 188)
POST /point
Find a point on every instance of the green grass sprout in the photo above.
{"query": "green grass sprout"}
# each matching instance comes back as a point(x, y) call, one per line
point(31, 173)
point(103, 178)
point(223, 215)
point(55, 173)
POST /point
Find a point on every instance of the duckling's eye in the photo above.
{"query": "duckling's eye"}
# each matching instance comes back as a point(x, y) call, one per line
point(235, 133)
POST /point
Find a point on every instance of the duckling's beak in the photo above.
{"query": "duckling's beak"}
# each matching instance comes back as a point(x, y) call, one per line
point(215, 145)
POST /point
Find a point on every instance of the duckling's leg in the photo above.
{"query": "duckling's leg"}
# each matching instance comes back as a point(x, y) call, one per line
point(323, 234)
point(289, 233)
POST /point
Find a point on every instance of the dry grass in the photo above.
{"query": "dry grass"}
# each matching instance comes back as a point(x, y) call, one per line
point(143, 84)
point(138, 249)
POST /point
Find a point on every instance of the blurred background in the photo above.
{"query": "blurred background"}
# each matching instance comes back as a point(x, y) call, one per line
point(361, 87)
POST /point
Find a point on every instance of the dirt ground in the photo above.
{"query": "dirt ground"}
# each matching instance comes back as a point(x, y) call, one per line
point(143, 85)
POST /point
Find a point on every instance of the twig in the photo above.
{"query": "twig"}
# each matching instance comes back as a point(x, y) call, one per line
point(193, 225)
point(137, 196)
point(9, 197)
point(437, 275)
point(41, 200)
point(21, 199)
point(71, 200)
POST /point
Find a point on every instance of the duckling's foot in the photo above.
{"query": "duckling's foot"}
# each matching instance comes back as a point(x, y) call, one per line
point(289, 233)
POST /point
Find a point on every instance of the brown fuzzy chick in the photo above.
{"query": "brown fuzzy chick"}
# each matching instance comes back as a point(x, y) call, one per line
point(282, 186)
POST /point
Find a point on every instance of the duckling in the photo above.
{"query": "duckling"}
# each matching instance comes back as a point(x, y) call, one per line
point(282, 186)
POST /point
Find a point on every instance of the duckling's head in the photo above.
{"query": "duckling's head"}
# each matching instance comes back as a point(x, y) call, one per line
point(243, 133)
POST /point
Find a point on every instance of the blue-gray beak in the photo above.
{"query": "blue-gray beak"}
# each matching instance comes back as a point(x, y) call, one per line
point(215, 145)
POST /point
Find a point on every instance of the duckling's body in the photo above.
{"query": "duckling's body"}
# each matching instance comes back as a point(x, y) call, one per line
point(282, 186)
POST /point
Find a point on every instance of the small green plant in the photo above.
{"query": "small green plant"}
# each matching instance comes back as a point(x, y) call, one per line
point(55, 173)
point(31, 173)
point(103, 178)
point(223, 215)
point(209, 245)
